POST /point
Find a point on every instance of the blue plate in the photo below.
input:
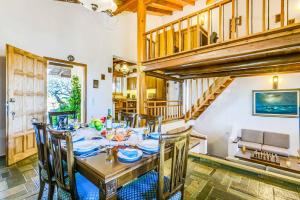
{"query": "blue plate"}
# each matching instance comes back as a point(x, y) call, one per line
point(154, 135)
point(130, 161)
point(78, 152)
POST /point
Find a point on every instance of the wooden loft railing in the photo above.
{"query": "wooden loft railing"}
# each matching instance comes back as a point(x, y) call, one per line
point(169, 110)
point(215, 24)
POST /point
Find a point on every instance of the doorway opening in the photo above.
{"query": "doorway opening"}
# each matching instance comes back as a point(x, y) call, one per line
point(66, 87)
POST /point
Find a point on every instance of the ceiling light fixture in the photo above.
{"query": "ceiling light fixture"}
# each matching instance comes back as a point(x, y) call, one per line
point(108, 6)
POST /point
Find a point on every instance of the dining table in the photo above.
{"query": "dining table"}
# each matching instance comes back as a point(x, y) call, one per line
point(106, 171)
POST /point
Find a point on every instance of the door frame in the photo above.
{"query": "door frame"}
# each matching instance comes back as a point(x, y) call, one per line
point(84, 66)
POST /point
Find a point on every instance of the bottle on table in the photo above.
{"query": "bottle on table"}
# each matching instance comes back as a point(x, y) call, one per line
point(109, 121)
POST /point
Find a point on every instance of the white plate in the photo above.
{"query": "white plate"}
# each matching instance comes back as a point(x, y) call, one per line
point(84, 146)
point(151, 145)
point(124, 157)
point(138, 130)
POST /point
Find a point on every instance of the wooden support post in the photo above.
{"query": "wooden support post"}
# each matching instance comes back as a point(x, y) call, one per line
point(141, 77)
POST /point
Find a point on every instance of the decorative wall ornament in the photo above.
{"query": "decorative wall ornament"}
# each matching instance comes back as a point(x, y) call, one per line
point(95, 83)
point(71, 58)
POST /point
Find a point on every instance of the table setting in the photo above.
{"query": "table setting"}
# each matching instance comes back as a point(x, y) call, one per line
point(125, 144)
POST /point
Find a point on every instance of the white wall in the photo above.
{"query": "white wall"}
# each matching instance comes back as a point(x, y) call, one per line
point(2, 105)
point(232, 110)
point(57, 29)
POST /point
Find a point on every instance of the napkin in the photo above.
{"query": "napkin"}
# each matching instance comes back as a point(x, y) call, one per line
point(130, 154)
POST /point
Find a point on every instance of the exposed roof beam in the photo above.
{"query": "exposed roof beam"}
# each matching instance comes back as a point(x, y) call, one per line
point(165, 5)
point(192, 2)
point(125, 6)
point(159, 11)
point(163, 76)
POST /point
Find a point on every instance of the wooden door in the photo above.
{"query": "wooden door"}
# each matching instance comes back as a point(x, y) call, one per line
point(26, 99)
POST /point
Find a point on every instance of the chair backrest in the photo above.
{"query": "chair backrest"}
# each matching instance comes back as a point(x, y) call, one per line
point(151, 122)
point(62, 117)
point(178, 142)
point(60, 153)
point(41, 137)
point(130, 118)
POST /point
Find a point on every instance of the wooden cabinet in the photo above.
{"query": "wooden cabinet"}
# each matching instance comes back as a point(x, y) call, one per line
point(131, 83)
point(159, 85)
point(151, 82)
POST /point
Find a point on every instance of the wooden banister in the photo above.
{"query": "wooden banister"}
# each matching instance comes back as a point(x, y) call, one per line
point(193, 36)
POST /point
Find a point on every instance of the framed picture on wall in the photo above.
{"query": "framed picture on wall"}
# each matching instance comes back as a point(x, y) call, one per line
point(276, 103)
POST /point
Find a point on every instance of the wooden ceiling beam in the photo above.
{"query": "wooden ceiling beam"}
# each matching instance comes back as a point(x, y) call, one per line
point(162, 4)
point(294, 68)
point(70, 1)
point(159, 11)
point(250, 64)
point(126, 6)
point(163, 76)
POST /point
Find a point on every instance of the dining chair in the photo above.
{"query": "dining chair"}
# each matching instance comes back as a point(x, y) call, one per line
point(62, 118)
point(70, 185)
point(156, 185)
point(151, 122)
point(46, 175)
point(130, 118)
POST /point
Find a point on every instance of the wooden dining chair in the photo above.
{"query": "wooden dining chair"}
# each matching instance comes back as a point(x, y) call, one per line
point(70, 185)
point(150, 121)
point(156, 185)
point(46, 175)
point(62, 118)
point(130, 118)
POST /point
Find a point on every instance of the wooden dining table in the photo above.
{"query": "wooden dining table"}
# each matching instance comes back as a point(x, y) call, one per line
point(109, 174)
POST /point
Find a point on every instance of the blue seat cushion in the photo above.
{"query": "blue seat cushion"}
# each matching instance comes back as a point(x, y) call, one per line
point(86, 190)
point(145, 187)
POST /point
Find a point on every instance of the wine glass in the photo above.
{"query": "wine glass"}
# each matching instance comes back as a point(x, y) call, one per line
point(146, 132)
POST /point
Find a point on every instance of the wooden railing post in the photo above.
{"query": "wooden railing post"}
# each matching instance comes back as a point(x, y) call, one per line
point(247, 17)
point(281, 13)
point(209, 26)
point(179, 37)
point(263, 15)
point(189, 34)
point(220, 23)
point(198, 32)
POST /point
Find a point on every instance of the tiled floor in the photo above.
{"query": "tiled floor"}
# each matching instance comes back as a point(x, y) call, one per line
point(205, 181)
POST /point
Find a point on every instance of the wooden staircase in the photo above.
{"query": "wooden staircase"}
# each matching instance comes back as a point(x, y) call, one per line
point(207, 97)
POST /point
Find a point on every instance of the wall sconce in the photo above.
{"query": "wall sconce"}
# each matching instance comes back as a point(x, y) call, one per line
point(275, 82)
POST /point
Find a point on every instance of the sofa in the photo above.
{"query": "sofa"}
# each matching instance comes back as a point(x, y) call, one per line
point(277, 143)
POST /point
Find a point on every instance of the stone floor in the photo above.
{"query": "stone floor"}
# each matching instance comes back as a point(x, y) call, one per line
point(204, 181)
